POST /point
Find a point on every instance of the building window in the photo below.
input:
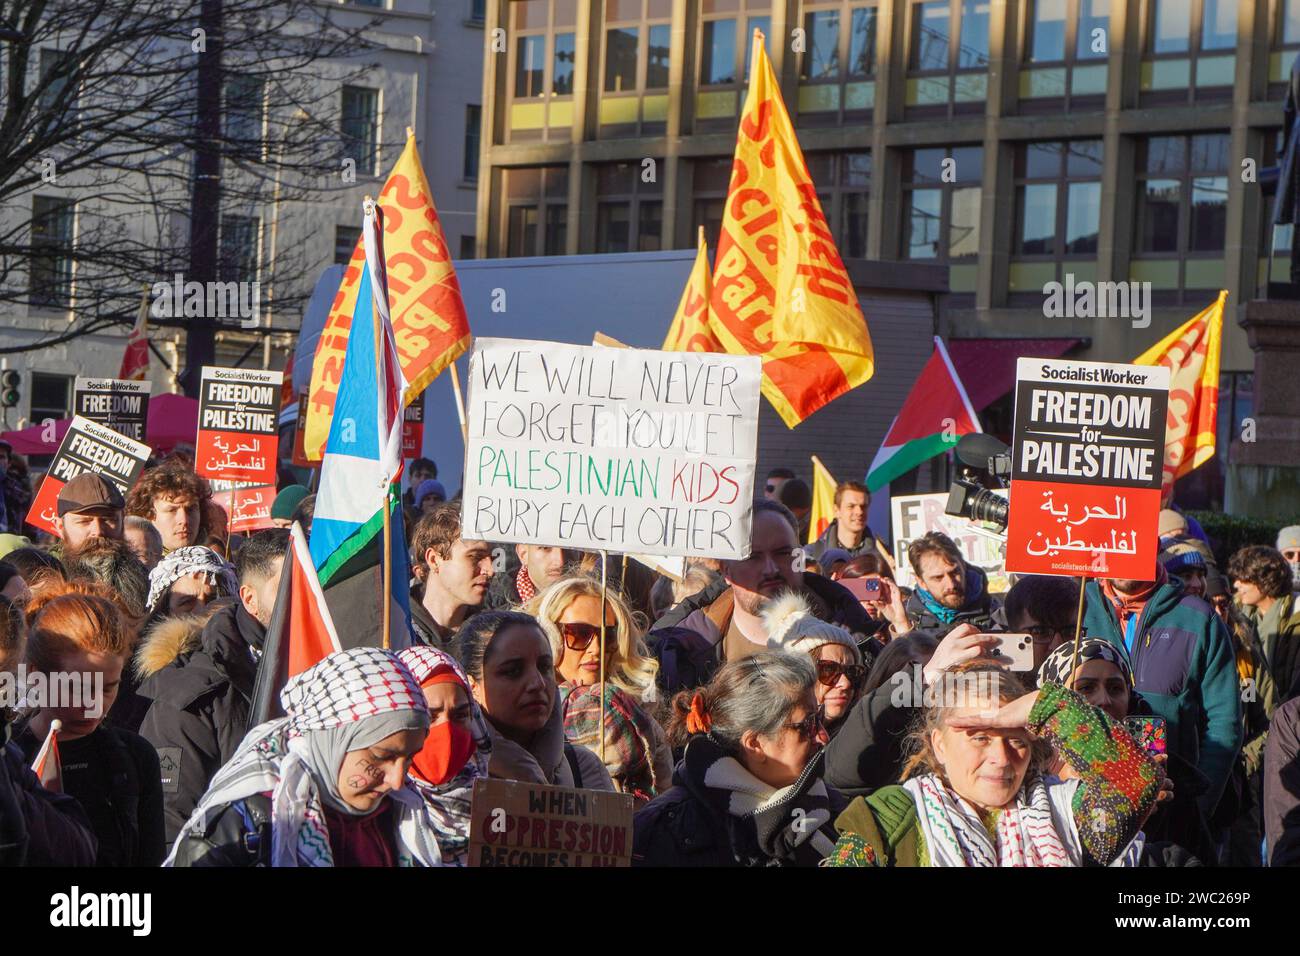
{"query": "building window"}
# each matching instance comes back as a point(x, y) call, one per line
point(1285, 34)
point(545, 52)
point(477, 11)
point(245, 110)
point(712, 178)
point(838, 66)
point(726, 46)
point(50, 278)
point(1066, 46)
point(941, 211)
point(843, 182)
point(536, 210)
point(361, 128)
point(345, 242)
point(1182, 210)
point(473, 119)
point(638, 34)
point(1058, 212)
point(51, 397)
point(239, 253)
point(466, 247)
point(1189, 45)
point(55, 67)
point(948, 54)
point(629, 210)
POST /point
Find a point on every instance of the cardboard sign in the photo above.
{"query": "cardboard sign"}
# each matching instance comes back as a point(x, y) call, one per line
point(413, 429)
point(121, 404)
point(1086, 468)
point(626, 450)
point(86, 446)
point(248, 507)
point(917, 515)
point(239, 411)
point(526, 824)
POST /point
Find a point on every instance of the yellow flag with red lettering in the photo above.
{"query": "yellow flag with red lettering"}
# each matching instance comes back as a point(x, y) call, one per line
point(1191, 353)
point(691, 330)
point(429, 320)
point(780, 289)
point(823, 500)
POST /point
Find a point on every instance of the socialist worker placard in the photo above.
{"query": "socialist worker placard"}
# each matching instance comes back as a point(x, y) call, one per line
point(1087, 454)
point(239, 410)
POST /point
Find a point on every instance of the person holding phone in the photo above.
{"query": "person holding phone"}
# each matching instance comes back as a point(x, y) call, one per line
point(791, 626)
point(871, 580)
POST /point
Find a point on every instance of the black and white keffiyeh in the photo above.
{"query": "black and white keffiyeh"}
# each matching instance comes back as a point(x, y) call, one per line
point(192, 560)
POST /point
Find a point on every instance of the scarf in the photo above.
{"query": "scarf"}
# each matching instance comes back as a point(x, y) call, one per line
point(629, 735)
point(945, 614)
point(449, 803)
point(350, 700)
point(1029, 832)
point(786, 821)
point(524, 585)
point(192, 560)
point(1127, 605)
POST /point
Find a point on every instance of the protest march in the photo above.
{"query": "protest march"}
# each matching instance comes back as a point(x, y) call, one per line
point(299, 634)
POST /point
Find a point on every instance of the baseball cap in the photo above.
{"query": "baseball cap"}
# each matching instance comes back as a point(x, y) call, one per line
point(87, 492)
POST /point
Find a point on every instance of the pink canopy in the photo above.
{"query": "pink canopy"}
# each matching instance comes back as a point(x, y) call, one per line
point(173, 420)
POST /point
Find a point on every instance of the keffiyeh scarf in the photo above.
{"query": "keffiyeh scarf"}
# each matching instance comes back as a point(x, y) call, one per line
point(1056, 668)
point(350, 696)
point(192, 560)
point(1031, 832)
point(449, 803)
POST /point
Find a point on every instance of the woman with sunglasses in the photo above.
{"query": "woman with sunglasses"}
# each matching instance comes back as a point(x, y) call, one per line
point(792, 627)
point(569, 614)
point(749, 788)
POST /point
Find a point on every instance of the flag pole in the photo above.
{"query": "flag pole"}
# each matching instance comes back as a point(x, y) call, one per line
point(385, 559)
point(1078, 629)
point(604, 590)
point(460, 402)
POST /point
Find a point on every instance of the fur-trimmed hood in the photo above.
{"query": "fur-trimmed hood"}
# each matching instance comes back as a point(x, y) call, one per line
point(167, 641)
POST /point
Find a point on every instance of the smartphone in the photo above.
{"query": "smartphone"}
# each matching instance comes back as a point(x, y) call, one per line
point(864, 589)
point(1149, 732)
point(1018, 648)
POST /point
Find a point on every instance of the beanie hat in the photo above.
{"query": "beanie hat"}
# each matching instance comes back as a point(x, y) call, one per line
point(1216, 585)
point(1171, 524)
point(1288, 537)
point(287, 500)
point(430, 486)
point(791, 626)
point(1179, 557)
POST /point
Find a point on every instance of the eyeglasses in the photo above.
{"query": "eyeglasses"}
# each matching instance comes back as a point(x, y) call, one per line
point(578, 637)
point(807, 728)
point(828, 673)
point(1043, 633)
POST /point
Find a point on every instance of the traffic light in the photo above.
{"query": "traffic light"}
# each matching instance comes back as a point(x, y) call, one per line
point(9, 394)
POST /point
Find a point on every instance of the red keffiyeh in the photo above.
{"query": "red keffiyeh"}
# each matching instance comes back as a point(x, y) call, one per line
point(524, 585)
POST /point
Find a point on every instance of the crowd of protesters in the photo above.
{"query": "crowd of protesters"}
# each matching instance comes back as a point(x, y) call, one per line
point(800, 706)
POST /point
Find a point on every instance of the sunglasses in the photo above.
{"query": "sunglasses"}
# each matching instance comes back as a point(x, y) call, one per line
point(771, 487)
point(807, 728)
point(828, 673)
point(1043, 633)
point(578, 637)
point(1291, 554)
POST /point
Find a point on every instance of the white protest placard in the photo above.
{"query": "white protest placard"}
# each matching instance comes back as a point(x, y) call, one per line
point(625, 450)
point(916, 515)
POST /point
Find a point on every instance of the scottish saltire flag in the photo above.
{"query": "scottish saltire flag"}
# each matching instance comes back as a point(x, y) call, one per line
point(362, 466)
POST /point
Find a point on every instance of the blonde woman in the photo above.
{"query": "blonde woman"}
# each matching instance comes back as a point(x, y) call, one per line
point(637, 754)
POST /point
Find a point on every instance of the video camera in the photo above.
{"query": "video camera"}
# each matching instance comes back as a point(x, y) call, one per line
point(986, 464)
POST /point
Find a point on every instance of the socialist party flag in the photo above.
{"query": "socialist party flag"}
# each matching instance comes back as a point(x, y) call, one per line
point(780, 289)
point(691, 330)
point(936, 413)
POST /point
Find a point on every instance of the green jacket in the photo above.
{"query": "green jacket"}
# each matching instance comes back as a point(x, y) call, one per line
point(882, 829)
point(1279, 634)
point(1185, 667)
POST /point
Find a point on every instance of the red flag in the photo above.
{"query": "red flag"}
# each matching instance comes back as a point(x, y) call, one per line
point(135, 361)
point(47, 766)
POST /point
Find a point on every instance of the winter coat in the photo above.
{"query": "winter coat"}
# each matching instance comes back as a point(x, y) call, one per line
point(38, 827)
point(830, 538)
point(1185, 667)
point(198, 674)
point(1282, 786)
point(1281, 647)
point(689, 825)
point(870, 746)
point(688, 638)
point(981, 608)
point(113, 774)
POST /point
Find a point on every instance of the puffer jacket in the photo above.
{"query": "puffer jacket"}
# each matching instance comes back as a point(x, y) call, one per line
point(1185, 668)
point(198, 673)
point(981, 608)
point(688, 638)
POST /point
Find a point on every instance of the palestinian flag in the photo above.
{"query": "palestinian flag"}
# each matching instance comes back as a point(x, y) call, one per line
point(937, 413)
point(47, 766)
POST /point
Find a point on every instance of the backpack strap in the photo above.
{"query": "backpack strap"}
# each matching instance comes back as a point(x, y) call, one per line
point(571, 755)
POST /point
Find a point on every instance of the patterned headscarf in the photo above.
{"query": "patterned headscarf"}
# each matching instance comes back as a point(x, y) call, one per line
point(350, 700)
point(629, 735)
point(195, 559)
point(1056, 668)
point(449, 803)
